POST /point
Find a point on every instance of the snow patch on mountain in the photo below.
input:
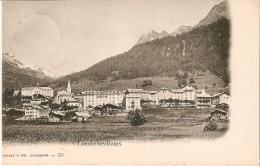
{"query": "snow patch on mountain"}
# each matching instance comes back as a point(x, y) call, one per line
point(10, 58)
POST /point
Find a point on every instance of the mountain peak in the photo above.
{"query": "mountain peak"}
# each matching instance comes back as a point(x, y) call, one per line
point(164, 33)
point(153, 32)
point(217, 12)
point(152, 36)
point(182, 29)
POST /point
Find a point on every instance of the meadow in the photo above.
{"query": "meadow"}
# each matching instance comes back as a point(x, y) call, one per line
point(162, 124)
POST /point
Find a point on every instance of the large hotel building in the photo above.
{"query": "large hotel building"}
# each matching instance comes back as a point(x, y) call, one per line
point(96, 98)
point(30, 91)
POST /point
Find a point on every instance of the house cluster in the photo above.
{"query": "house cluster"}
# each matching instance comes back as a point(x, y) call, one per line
point(130, 99)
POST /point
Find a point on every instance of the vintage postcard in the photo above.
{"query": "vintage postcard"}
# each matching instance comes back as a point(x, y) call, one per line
point(130, 82)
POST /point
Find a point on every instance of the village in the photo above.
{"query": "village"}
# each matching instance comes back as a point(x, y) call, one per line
point(40, 103)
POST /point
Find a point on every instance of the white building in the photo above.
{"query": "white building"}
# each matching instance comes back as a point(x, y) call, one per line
point(30, 91)
point(186, 93)
point(189, 93)
point(64, 96)
point(99, 98)
point(163, 94)
point(152, 97)
point(78, 97)
point(132, 101)
point(35, 112)
point(202, 99)
point(220, 98)
point(144, 95)
point(178, 94)
point(74, 103)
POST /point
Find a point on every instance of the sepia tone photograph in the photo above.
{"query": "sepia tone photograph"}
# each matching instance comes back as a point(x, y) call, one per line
point(100, 73)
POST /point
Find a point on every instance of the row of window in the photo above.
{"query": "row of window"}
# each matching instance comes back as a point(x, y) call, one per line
point(29, 112)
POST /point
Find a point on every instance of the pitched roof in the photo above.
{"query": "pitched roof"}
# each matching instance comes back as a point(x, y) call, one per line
point(63, 92)
point(30, 88)
point(136, 90)
point(56, 114)
point(84, 114)
point(188, 88)
point(177, 91)
point(163, 88)
point(219, 94)
point(203, 95)
point(219, 111)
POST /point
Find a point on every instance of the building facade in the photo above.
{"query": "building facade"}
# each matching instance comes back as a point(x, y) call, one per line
point(64, 96)
point(30, 91)
point(187, 96)
point(132, 101)
point(74, 103)
point(189, 93)
point(220, 98)
point(35, 112)
point(163, 94)
point(202, 99)
point(144, 95)
point(100, 98)
point(152, 97)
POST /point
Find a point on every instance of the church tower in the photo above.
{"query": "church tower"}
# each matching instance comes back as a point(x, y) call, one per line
point(68, 87)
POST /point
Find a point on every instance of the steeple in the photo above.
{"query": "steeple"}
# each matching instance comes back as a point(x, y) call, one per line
point(68, 87)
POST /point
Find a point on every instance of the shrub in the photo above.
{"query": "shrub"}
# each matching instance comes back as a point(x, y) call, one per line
point(136, 118)
point(211, 126)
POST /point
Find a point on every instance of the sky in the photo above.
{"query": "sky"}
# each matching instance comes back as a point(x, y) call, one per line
point(69, 36)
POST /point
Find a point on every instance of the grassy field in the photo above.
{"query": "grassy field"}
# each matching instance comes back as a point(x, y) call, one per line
point(162, 124)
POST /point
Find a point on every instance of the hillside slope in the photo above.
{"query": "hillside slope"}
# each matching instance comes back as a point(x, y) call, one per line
point(201, 81)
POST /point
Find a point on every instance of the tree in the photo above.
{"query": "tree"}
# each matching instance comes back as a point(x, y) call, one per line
point(54, 106)
point(170, 100)
point(18, 96)
point(8, 97)
point(179, 85)
point(136, 118)
point(214, 84)
point(184, 82)
point(162, 101)
point(206, 87)
point(186, 101)
point(176, 102)
point(147, 82)
point(185, 75)
point(192, 81)
point(13, 112)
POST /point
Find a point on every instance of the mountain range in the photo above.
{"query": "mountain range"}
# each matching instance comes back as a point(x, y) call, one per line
point(17, 74)
point(156, 35)
point(217, 12)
